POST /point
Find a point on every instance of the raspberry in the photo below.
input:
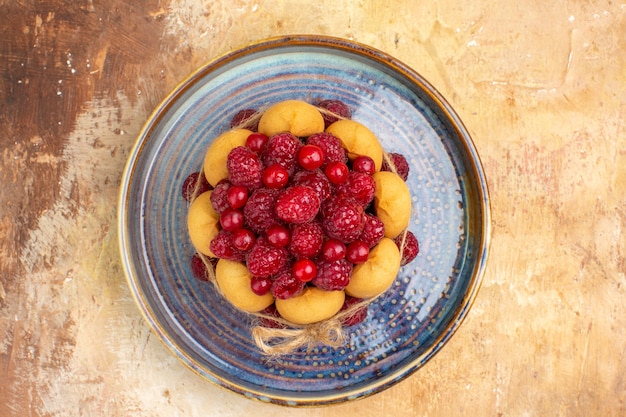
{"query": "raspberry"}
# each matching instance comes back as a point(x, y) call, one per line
point(373, 230)
point(286, 285)
point(399, 163)
point(245, 119)
point(314, 179)
point(259, 210)
point(410, 249)
point(282, 149)
point(306, 240)
point(267, 321)
point(297, 204)
point(219, 196)
point(360, 186)
point(358, 316)
point(330, 145)
point(339, 108)
point(222, 247)
point(198, 268)
point(244, 168)
point(265, 260)
point(332, 275)
point(193, 181)
point(343, 218)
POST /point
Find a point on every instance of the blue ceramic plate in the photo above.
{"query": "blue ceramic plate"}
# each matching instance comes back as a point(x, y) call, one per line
point(450, 217)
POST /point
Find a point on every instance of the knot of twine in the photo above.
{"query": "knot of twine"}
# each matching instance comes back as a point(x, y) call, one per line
point(286, 337)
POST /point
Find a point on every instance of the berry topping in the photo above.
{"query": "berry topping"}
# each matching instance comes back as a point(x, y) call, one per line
point(314, 179)
point(282, 149)
point(222, 247)
point(335, 109)
point(244, 168)
point(400, 165)
point(260, 285)
point(357, 252)
point(193, 181)
point(410, 247)
point(265, 260)
point(278, 235)
point(359, 314)
point(259, 210)
point(297, 204)
point(243, 119)
point(364, 164)
point(219, 196)
point(330, 145)
point(337, 172)
point(333, 249)
point(231, 219)
point(304, 269)
point(286, 285)
point(343, 218)
point(306, 240)
point(256, 141)
point(332, 275)
point(360, 186)
point(237, 196)
point(373, 230)
point(243, 239)
point(310, 157)
point(275, 176)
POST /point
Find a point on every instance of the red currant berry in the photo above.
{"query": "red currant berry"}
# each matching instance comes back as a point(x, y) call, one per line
point(237, 196)
point(260, 285)
point(333, 250)
point(310, 157)
point(364, 164)
point(357, 252)
point(304, 270)
point(278, 236)
point(256, 141)
point(231, 219)
point(337, 172)
point(275, 176)
point(243, 239)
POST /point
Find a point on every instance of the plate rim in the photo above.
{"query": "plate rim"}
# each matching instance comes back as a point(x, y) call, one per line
point(397, 66)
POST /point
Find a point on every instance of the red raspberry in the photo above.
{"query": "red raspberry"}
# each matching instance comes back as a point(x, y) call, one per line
point(282, 149)
point(193, 181)
point(331, 145)
point(343, 218)
point(314, 179)
point(268, 321)
point(410, 249)
point(259, 210)
point(222, 247)
point(297, 204)
point(286, 285)
point(245, 119)
point(244, 168)
point(332, 275)
point(265, 260)
point(198, 268)
point(339, 108)
point(358, 316)
point(360, 186)
point(219, 196)
point(373, 230)
point(306, 240)
point(399, 163)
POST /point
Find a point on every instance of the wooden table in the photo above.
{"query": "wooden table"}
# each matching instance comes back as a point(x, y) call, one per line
point(541, 87)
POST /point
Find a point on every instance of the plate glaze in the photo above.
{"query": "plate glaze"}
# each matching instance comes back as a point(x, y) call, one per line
point(450, 217)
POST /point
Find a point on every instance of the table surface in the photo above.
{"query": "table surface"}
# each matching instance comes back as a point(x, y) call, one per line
point(541, 86)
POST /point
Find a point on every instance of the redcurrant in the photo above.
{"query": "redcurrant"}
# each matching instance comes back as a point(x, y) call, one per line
point(333, 249)
point(337, 172)
point(243, 239)
point(256, 141)
point(310, 157)
point(278, 235)
point(275, 176)
point(231, 219)
point(260, 285)
point(304, 270)
point(364, 164)
point(237, 196)
point(357, 252)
